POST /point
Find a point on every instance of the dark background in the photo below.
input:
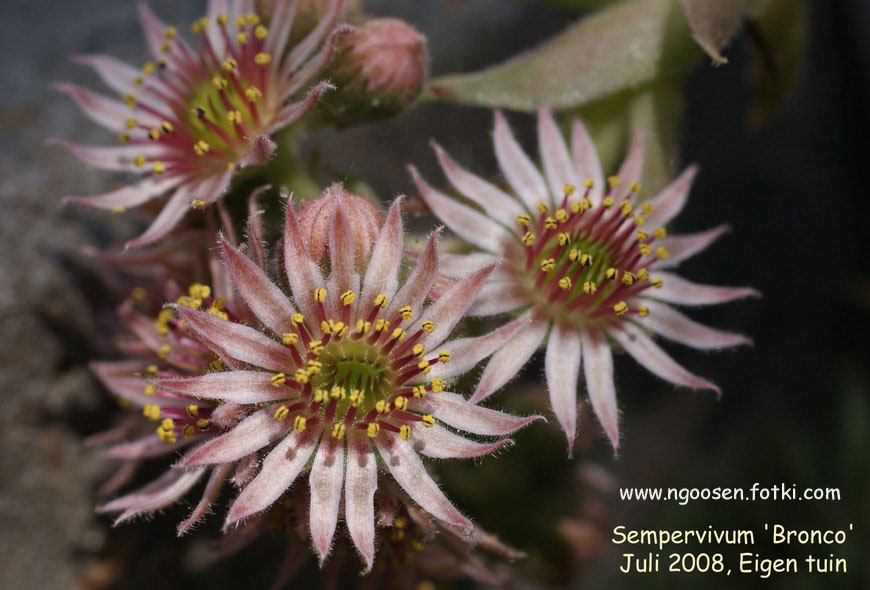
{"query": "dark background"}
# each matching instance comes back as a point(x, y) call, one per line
point(794, 410)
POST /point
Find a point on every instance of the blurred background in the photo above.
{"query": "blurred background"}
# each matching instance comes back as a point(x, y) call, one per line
point(795, 407)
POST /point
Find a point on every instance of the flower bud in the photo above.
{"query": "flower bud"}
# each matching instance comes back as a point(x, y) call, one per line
point(380, 69)
point(316, 216)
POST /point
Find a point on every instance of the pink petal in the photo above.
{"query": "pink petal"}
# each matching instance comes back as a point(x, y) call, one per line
point(359, 492)
point(451, 306)
point(122, 383)
point(439, 443)
point(417, 286)
point(241, 387)
point(250, 435)
point(261, 150)
point(558, 166)
point(408, 471)
point(465, 353)
point(246, 469)
point(131, 195)
point(673, 325)
point(586, 160)
point(453, 410)
point(173, 211)
point(654, 359)
point(668, 203)
point(326, 481)
point(306, 46)
point(562, 368)
point(678, 290)
point(104, 111)
point(296, 110)
point(243, 343)
point(215, 187)
point(632, 167)
point(280, 469)
point(154, 29)
point(143, 328)
point(498, 297)
point(264, 298)
point(508, 360)
point(383, 267)
point(313, 67)
point(457, 266)
point(470, 225)
point(162, 492)
point(683, 247)
point(283, 16)
point(516, 166)
point(303, 274)
point(215, 38)
point(146, 447)
point(256, 231)
point(114, 73)
point(116, 158)
point(598, 370)
point(342, 256)
point(495, 202)
point(209, 495)
point(142, 494)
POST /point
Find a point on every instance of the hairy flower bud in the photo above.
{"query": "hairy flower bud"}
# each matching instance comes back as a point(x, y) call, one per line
point(380, 69)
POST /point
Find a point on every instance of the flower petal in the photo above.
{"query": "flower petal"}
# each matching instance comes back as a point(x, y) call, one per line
point(171, 213)
point(209, 495)
point(670, 201)
point(519, 170)
point(676, 289)
point(438, 442)
point(562, 368)
point(598, 370)
point(303, 274)
point(632, 167)
point(313, 67)
point(283, 17)
point(408, 471)
point(382, 273)
point(256, 231)
point(558, 166)
point(586, 159)
point(302, 50)
point(120, 380)
point(167, 494)
point(417, 286)
point(117, 158)
point(470, 225)
point(143, 448)
point(102, 110)
point(131, 195)
point(241, 342)
point(496, 203)
point(342, 256)
point(154, 29)
point(451, 306)
point(114, 73)
point(264, 298)
point(326, 481)
point(241, 387)
point(280, 469)
point(509, 359)
point(248, 436)
point(359, 493)
point(685, 246)
point(654, 359)
point(296, 110)
point(458, 266)
point(498, 297)
point(453, 410)
point(673, 325)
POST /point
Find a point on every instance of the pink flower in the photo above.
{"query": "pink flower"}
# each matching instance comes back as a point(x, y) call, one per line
point(585, 262)
point(350, 367)
point(189, 120)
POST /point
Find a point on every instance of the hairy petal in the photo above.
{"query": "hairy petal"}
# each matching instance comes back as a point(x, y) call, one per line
point(114, 73)
point(498, 297)
point(598, 370)
point(632, 167)
point(508, 360)
point(586, 159)
point(359, 493)
point(673, 325)
point(171, 213)
point(451, 306)
point(169, 492)
point(678, 290)
point(457, 266)
point(302, 273)
point(519, 170)
point(131, 195)
point(562, 368)
point(117, 157)
point(250, 435)
point(383, 267)
point(452, 409)
point(670, 201)
point(103, 111)
point(557, 162)
point(209, 496)
point(465, 353)
point(440, 443)
point(143, 448)
point(241, 387)
point(342, 255)
point(685, 246)
point(415, 289)
point(326, 480)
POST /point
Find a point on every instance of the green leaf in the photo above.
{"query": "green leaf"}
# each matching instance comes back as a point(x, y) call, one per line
point(714, 22)
point(621, 47)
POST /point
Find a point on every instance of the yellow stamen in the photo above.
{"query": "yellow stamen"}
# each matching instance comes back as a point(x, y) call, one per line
point(401, 403)
point(381, 301)
point(528, 238)
point(428, 420)
point(406, 313)
point(524, 220)
point(589, 287)
point(437, 385)
point(347, 297)
point(289, 338)
point(262, 59)
point(548, 264)
point(428, 327)
point(151, 411)
point(620, 308)
point(319, 295)
point(338, 431)
point(565, 283)
point(643, 311)
point(404, 432)
point(373, 429)
point(299, 423)
point(279, 379)
point(444, 356)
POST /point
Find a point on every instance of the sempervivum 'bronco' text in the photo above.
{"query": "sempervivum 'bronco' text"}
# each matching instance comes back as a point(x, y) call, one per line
point(189, 120)
point(343, 372)
point(585, 261)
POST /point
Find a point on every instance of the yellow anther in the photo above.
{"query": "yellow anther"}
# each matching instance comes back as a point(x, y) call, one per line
point(406, 313)
point(124, 137)
point(373, 429)
point(548, 264)
point(589, 287)
point(320, 396)
point(201, 147)
point(222, 19)
point(628, 278)
point(319, 295)
point(646, 207)
point(582, 205)
point(301, 376)
point(611, 273)
point(262, 58)
point(528, 238)
point(241, 23)
point(150, 389)
point(401, 403)
point(642, 274)
point(148, 68)
point(634, 187)
point(252, 19)
point(200, 290)
point(197, 204)
point(338, 431)
point(569, 189)
point(235, 117)
point(166, 127)
point(398, 334)
point(561, 215)
point(299, 423)
point(382, 407)
point(620, 308)
point(171, 32)
point(347, 297)
point(315, 346)
point(230, 64)
point(657, 282)
point(138, 294)
point(118, 209)
point(154, 133)
point(543, 207)
point(444, 356)
point(424, 367)
point(641, 236)
point(279, 379)
point(337, 392)
point(419, 391)
point(192, 410)
point(139, 161)
point(660, 233)
point(614, 181)
point(574, 254)
point(524, 220)
point(131, 123)
point(382, 325)
point(253, 93)
point(219, 82)
point(362, 327)
point(588, 183)
point(428, 420)
point(565, 283)
point(645, 250)
point(626, 209)
point(197, 27)
point(639, 220)
point(643, 311)
point(165, 47)
point(167, 424)
point(404, 432)
point(585, 259)
point(216, 365)
point(297, 320)
point(381, 301)
point(550, 223)
point(151, 369)
point(151, 411)
point(138, 80)
point(261, 32)
point(130, 100)
point(564, 238)
point(418, 350)
point(242, 37)
point(188, 430)
point(326, 327)
point(356, 397)
point(662, 252)
point(289, 338)
point(158, 167)
point(164, 351)
point(428, 327)
point(437, 385)
point(607, 202)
